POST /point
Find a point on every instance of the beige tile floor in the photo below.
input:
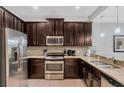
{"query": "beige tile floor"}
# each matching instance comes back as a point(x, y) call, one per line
point(56, 83)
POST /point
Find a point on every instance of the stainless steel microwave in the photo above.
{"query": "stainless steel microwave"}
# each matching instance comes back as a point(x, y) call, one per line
point(54, 40)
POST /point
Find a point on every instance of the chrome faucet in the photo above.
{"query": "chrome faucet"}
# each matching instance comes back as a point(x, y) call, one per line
point(113, 60)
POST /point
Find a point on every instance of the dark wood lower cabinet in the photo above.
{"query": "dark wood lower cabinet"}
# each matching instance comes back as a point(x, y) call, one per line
point(82, 69)
point(36, 68)
point(96, 78)
point(90, 75)
point(71, 68)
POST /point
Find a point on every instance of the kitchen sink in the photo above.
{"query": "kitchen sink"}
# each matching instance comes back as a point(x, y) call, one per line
point(104, 65)
point(109, 66)
point(99, 63)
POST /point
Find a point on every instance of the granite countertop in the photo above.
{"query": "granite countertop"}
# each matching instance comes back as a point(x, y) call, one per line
point(35, 57)
point(116, 74)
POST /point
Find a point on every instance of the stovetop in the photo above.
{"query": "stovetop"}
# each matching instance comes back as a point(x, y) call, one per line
point(55, 54)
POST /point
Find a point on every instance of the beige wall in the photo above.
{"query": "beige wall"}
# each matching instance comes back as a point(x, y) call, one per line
point(39, 51)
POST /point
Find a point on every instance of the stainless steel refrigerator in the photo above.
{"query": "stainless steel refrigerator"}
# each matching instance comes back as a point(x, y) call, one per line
point(16, 61)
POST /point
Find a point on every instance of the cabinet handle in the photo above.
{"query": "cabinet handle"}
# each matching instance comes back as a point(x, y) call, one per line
point(37, 42)
point(82, 62)
point(37, 60)
point(83, 70)
point(34, 42)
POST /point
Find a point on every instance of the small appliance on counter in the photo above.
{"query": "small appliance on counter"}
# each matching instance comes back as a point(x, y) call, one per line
point(90, 51)
point(71, 52)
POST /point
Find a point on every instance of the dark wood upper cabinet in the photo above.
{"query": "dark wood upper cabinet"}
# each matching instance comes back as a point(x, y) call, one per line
point(68, 34)
point(31, 29)
point(36, 33)
point(1, 19)
point(41, 34)
point(50, 27)
point(9, 22)
point(74, 34)
point(22, 27)
point(59, 27)
point(18, 24)
point(15, 24)
point(55, 27)
point(88, 34)
point(79, 34)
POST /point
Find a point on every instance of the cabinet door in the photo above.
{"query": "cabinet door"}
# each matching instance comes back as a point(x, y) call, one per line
point(22, 26)
point(19, 25)
point(1, 19)
point(68, 34)
point(79, 34)
point(59, 27)
point(9, 20)
point(88, 34)
point(82, 69)
point(88, 75)
point(36, 68)
point(31, 33)
point(50, 28)
point(96, 82)
point(71, 68)
point(41, 34)
point(15, 23)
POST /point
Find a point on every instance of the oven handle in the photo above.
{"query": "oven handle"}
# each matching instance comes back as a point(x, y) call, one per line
point(50, 62)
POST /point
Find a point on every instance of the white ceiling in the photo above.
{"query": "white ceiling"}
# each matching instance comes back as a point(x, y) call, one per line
point(110, 15)
point(27, 13)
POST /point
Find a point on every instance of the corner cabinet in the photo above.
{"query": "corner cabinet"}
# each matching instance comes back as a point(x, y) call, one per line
point(88, 33)
point(55, 27)
point(90, 75)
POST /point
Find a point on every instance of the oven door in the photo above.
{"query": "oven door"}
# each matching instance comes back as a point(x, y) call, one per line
point(54, 67)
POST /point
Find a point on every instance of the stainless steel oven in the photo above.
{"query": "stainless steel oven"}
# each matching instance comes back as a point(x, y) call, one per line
point(54, 66)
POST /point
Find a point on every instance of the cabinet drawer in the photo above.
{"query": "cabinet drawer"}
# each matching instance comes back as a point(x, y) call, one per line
point(71, 59)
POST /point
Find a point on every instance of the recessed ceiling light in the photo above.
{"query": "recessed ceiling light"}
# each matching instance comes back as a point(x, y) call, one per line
point(36, 7)
point(102, 34)
point(77, 7)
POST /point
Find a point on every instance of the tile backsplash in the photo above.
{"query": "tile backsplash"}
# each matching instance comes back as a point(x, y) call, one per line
point(39, 51)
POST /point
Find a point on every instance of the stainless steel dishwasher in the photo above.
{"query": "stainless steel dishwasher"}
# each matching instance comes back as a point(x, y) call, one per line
point(107, 81)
